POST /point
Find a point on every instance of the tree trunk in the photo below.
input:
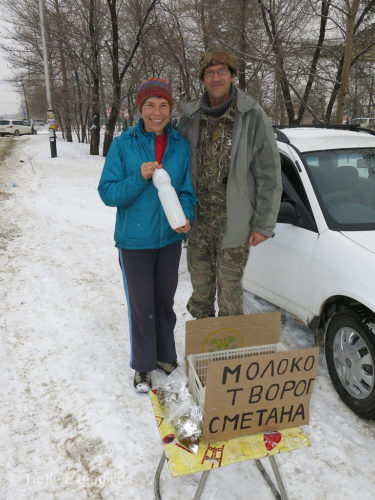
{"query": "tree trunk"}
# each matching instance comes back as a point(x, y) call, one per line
point(79, 118)
point(66, 107)
point(204, 24)
point(331, 102)
point(314, 62)
point(112, 119)
point(348, 54)
point(241, 66)
point(26, 100)
point(95, 126)
point(274, 37)
point(116, 93)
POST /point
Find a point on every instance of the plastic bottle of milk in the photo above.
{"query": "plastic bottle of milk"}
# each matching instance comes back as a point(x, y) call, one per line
point(168, 198)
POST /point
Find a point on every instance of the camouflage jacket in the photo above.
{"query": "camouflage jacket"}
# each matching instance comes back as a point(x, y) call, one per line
point(254, 182)
point(214, 146)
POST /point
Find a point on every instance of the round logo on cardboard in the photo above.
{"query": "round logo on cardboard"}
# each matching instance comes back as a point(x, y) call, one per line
point(223, 338)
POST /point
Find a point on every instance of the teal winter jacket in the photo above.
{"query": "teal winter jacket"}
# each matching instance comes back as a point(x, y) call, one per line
point(140, 220)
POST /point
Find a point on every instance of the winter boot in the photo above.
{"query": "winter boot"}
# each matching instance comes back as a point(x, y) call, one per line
point(142, 381)
point(166, 367)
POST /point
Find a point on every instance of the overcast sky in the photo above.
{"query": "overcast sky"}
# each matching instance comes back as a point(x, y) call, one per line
point(9, 99)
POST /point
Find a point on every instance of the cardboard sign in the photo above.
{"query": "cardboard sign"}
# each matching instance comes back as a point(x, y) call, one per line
point(231, 332)
point(258, 393)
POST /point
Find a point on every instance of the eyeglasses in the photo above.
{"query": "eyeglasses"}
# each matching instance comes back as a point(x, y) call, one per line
point(220, 72)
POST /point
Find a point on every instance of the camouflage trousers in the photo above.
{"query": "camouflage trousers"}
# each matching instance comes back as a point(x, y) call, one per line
point(212, 268)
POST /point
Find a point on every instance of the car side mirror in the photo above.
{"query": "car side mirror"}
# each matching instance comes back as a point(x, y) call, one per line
point(287, 213)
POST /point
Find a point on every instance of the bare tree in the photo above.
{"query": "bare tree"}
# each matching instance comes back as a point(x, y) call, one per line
point(117, 74)
point(94, 47)
point(269, 12)
point(364, 41)
point(325, 5)
point(61, 28)
point(290, 55)
point(351, 13)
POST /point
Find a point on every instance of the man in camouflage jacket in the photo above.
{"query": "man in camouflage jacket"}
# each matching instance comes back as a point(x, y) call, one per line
point(235, 170)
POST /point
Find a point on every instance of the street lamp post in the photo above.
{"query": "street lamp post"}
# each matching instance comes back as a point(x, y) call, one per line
point(50, 112)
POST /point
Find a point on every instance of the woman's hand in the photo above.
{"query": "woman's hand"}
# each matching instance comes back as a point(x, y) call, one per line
point(148, 168)
point(184, 229)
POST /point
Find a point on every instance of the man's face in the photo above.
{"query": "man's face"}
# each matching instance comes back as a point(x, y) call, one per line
point(217, 80)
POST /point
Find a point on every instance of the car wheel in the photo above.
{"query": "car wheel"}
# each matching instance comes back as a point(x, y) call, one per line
point(350, 356)
point(2, 135)
point(16, 132)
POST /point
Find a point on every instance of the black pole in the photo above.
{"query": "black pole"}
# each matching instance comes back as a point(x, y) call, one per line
point(52, 132)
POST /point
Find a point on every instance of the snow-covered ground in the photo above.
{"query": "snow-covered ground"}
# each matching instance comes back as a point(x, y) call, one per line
point(71, 424)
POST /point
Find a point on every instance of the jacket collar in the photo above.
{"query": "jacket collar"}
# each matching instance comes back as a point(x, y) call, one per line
point(244, 102)
point(138, 130)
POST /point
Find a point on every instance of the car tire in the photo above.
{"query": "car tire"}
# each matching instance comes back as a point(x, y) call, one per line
point(2, 135)
point(350, 356)
point(17, 132)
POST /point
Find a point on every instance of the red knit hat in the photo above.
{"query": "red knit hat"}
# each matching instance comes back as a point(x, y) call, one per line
point(154, 87)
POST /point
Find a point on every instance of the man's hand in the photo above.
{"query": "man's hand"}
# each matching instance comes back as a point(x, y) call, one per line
point(256, 238)
point(184, 229)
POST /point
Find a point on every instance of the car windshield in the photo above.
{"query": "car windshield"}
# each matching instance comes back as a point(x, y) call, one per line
point(344, 182)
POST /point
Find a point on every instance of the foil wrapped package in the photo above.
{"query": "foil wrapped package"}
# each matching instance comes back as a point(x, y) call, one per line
point(181, 410)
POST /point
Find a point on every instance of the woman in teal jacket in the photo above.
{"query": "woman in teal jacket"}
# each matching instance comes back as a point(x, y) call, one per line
point(149, 249)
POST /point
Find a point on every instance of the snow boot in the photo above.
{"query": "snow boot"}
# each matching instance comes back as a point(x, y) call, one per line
point(142, 381)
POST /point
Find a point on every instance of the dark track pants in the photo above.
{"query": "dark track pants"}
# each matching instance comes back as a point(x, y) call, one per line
point(150, 281)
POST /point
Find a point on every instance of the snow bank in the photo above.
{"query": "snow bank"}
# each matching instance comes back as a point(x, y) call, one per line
point(72, 425)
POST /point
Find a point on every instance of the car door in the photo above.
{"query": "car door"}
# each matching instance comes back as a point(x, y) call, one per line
point(279, 270)
point(26, 128)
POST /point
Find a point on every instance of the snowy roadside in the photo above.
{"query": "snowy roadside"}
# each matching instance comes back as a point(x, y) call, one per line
point(71, 424)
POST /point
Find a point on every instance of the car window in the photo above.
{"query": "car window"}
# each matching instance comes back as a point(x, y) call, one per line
point(4, 122)
point(294, 193)
point(17, 122)
point(344, 182)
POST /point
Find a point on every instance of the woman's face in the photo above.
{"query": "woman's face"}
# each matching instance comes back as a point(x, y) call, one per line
point(156, 113)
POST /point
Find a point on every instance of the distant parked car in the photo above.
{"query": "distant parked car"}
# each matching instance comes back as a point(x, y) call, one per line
point(39, 123)
point(320, 264)
point(15, 127)
point(364, 122)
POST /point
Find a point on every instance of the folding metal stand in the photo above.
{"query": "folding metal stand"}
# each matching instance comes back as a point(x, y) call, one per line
point(279, 494)
point(214, 455)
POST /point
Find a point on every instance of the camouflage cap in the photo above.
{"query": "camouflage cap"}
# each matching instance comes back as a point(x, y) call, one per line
point(216, 55)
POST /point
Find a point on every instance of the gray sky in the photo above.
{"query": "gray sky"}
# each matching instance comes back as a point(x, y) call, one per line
point(9, 99)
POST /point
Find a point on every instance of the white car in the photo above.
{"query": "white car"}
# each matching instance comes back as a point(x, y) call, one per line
point(15, 127)
point(320, 264)
point(364, 122)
